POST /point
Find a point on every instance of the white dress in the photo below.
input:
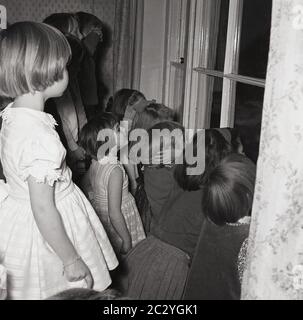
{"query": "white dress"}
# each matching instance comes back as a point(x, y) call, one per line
point(30, 146)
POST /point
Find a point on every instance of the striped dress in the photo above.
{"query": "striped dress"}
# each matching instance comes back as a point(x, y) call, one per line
point(98, 176)
point(30, 146)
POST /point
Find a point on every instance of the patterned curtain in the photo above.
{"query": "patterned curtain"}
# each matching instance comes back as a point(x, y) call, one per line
point(275, 264)
point(127, 41)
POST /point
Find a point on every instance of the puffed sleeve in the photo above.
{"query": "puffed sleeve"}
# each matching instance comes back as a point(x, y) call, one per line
point(42, 159)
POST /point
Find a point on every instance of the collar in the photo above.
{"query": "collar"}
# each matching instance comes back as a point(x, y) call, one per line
point(7, 115)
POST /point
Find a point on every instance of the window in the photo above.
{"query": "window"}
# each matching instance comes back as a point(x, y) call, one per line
point(226, 66)
point(177, 40)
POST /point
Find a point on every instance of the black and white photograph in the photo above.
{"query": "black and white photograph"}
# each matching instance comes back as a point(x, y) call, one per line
point(151, 150)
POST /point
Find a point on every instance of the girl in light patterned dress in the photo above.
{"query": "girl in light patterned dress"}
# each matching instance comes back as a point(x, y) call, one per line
point(106, 185)
point(50, 237)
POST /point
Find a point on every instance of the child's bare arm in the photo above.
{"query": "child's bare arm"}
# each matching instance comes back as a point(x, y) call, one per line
point(114, 207)
point(51, 227)
point(131, 170)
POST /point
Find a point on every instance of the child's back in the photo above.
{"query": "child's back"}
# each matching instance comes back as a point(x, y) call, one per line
point(218, 263)
point(98, 176)
point(220, 257)
point(50, 237)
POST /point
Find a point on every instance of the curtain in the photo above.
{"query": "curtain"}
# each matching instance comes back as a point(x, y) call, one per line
point(127, 43)
point(275, 260)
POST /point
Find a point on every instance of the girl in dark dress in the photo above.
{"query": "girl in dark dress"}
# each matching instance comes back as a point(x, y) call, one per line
point(157, 268)
point(141, 114)
point(219, 261)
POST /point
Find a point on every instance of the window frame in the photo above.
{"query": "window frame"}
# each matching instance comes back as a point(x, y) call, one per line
point(175, 47)
point(197, 83)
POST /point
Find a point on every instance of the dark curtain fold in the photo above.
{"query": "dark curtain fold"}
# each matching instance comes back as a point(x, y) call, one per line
point(127, 43)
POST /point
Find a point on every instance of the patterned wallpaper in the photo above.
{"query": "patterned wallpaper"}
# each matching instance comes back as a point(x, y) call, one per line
point(37, 10)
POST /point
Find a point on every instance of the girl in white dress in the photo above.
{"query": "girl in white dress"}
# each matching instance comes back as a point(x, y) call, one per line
point(50, 237)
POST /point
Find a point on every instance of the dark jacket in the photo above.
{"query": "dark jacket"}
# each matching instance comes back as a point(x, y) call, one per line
point(214, 271)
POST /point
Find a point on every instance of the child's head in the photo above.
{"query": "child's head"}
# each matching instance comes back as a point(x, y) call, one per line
point(121, 100)
point(67, 23)
point(166, 143)
point(232, 137)
point(228, 190)
point(152, 114)
point(33, 57)
point(90, 134)
point(91, 30)
point(218, 144)
point(89, 23)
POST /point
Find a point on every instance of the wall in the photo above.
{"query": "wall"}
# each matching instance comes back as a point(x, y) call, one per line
point(37, 10)
point(153, 51)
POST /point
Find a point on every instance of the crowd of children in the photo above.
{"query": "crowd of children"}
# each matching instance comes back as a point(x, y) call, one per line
point(148, 229)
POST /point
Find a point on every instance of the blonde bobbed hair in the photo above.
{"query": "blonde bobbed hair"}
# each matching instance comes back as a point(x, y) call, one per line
point(33, 56)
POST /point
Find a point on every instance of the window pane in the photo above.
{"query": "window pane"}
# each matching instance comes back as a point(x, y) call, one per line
point(208, 111)
point(215, 18)
point(222, 36)
point(255, 37)
point(216, 103)
point(248, 117)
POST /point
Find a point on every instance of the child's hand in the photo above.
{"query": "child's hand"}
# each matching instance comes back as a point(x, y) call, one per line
point(78, 271)
point(133, 187)
point(126, 246)
point(78, 155)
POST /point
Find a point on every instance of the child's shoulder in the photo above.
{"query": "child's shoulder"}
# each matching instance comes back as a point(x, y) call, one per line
point(28, 121)
point(107, 169)
point(110, 167)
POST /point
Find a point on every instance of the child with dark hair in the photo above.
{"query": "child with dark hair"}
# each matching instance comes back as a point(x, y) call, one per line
point(65, 22)
point(157, 268)
point(219, 262)
point(123, 99)
point(89, 24)
point(218, 143)
point(149, 113)
point(91, 30)
point(122, 102)
point(143, 115)
point(106, 184)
